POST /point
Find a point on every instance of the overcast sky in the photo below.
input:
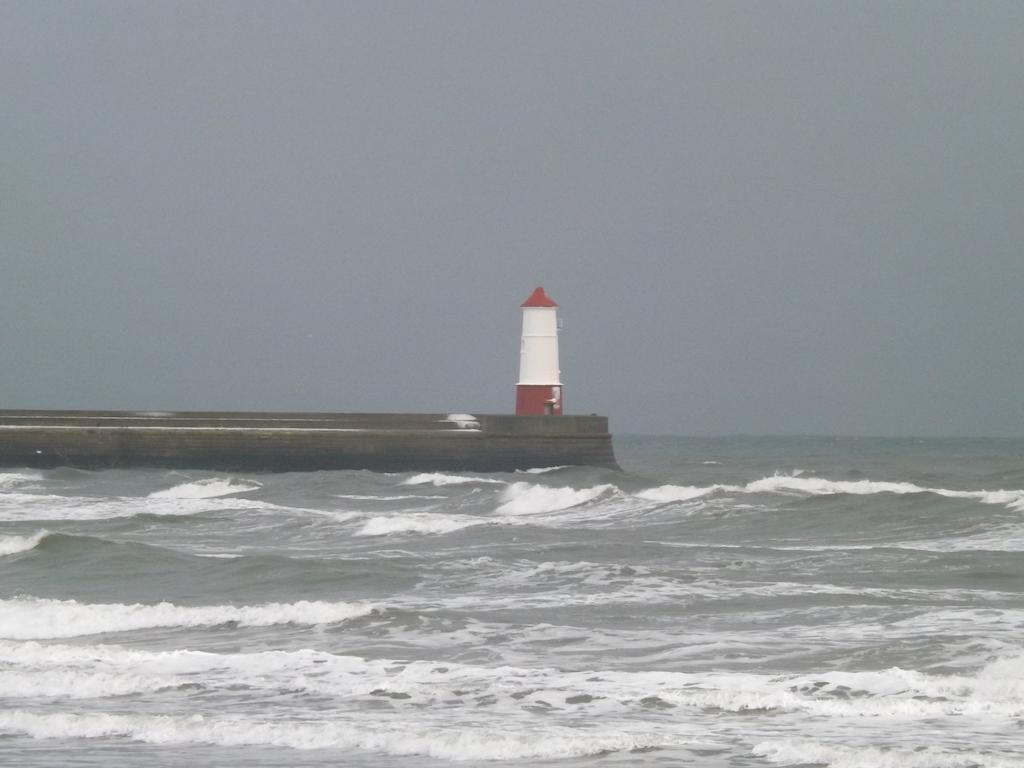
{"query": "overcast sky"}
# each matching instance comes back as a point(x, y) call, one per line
point(756, 217)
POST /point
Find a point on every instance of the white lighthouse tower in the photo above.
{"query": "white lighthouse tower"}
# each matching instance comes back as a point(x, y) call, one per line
point(539, 391)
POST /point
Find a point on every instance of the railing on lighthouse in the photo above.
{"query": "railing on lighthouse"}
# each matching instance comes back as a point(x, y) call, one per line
point(539, 391)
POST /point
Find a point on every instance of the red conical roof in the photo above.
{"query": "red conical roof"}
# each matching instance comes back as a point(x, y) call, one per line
point(539, 298)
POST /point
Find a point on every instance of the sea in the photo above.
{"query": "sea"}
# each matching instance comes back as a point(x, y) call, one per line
point(731, 602)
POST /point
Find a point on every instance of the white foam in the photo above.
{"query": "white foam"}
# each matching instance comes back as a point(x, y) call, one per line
point(892, 693)
point(447, 742)
point(207, 489)
point(78, 684)
point(364, 497)
point(440, 479)
point(798, 483)
point(14, 479)
point(417, 522)
point(542, 470)
point(10, 545)
point(218, 555)
point(29, 618)
point(1007, 538)
point(39, 507)
point(818, 486)
point(804, 752)
point(667, 493)
point(995, 692)
point(493, 585)
point(529, 499)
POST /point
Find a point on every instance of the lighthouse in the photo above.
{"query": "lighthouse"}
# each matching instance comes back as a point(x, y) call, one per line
point(539, 391)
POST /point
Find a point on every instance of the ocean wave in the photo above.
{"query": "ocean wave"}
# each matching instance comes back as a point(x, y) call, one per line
point(817, 486)
point(805, 752)
point(1008, 538)
point(667, 493)
point(219, 555)
point(401, 497)
point(80, 684)
point(994, 691)
point(11, 545)
point(440, 479)
point(14, 479)
point(207, 489)
point(22, 507)
point(528, 499)
point(417, 522)
point(527, 741)
point(68, 549)
point(798, 483)
point(44, 507)
point(541, 470)
point(28, 618)
point(520, 585)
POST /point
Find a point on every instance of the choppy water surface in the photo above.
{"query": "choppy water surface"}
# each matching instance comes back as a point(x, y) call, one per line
point(724, 602)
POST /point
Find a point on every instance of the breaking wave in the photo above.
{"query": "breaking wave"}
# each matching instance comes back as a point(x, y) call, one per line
point(529, 499)
point(819, 486)
point(401, 497)
point(40, 507)
point(441, 479)
point(996, 690)
point(1008, 538)
point(29, 618)
point(815, 486)
point(206, 489)
point(440, 741)
point(10, 545)
point(14, 479)
point(417, 522)
point(805, 752)
point(667, 493)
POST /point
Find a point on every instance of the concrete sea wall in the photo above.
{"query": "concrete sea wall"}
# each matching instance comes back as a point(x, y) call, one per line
point(281, 442)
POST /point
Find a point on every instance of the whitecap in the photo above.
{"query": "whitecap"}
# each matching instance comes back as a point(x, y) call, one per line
point(417, 522)
point(805, 752)
point(816, 486)
point(28, 618)
point(819, 486)
point(1006, 538)
point(209, 488)
point(667, 493)
point(10, 545)
point(14, 479)
point(403, 497)
point(528, 499)
point(994, 691)
point(79, 684)
point(442, 741)
point(25, 507)
point(440, 479)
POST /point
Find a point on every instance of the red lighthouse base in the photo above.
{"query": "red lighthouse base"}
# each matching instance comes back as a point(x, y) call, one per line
point(538, 400)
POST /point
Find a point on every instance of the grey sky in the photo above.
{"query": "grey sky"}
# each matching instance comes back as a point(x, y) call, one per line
point(758, 218)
